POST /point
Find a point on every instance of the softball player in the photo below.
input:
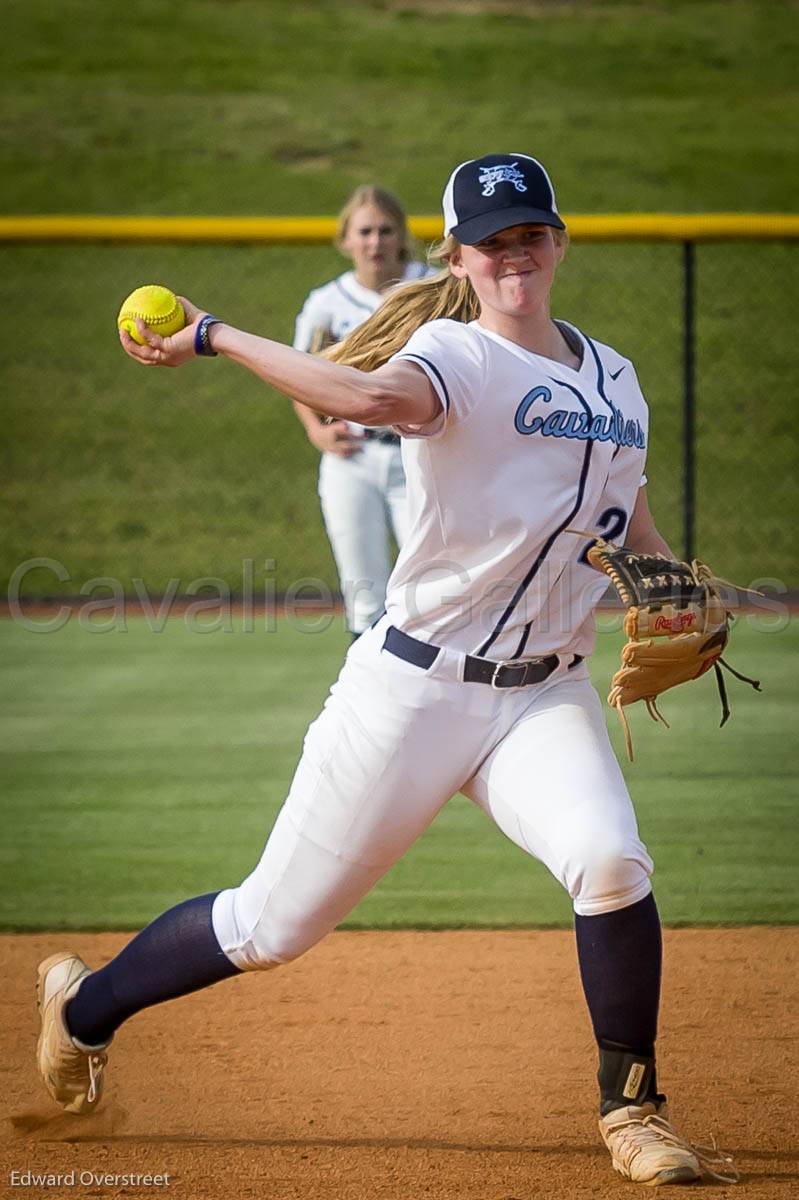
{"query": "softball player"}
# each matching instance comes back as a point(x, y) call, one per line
point(516, 429)
point(361, 480)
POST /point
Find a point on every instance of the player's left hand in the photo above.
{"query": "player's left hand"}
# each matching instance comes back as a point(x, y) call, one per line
point(160, 351)
point(677, 625)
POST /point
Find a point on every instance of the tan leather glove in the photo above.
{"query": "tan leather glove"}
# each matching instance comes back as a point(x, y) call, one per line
point(677, 626)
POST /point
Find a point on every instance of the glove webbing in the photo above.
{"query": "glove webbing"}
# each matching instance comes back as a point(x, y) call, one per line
point(650, 580)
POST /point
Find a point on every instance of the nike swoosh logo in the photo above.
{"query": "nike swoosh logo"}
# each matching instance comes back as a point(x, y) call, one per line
point(616, 374)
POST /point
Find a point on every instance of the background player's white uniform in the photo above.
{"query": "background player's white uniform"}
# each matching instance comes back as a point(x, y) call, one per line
point(524, 449)
point(363, 495)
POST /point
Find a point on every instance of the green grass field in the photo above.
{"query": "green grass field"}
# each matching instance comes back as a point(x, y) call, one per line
point(140, 768)
point(261, 106)
point(270, 108)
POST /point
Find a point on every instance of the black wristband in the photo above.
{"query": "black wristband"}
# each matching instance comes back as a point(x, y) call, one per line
point(202, 340)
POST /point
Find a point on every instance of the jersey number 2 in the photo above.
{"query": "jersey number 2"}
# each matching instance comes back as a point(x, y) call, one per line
point(612, 523)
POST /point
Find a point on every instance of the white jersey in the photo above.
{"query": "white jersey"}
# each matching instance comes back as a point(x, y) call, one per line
point(342, 305)
point(524, 449)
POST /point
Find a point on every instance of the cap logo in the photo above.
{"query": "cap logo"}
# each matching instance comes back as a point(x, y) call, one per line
point(491, 176)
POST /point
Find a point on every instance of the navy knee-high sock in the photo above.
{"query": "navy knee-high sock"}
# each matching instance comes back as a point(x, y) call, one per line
point(620, 955)
point(176, 954)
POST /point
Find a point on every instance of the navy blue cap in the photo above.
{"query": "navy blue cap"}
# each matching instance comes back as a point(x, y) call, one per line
point(486, 195)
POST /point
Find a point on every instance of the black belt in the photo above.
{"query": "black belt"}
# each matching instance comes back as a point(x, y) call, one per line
point(382, 435)
point(475, 670)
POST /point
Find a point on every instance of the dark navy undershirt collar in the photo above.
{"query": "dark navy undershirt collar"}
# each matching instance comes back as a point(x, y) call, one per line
point(527, 355)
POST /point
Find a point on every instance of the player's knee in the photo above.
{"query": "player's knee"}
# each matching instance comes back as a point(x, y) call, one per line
point(272, 943)
point(258, 942)
point(267, 948)
point(608, 872)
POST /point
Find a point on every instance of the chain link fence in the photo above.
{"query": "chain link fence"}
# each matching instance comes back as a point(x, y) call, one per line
point(157, 481)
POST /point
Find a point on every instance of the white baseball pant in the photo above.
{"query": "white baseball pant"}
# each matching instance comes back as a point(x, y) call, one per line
point(363, 499)
point(393, 743)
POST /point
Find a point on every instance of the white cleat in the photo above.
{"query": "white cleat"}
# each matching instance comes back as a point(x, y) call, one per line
point(646, 1148)
point(71, 1072)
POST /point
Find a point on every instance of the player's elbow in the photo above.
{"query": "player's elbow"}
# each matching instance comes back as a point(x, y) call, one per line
point(398, 397)
point(380, 404)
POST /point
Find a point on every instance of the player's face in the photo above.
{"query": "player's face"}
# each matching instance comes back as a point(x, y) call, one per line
point(511, 271)
point(374, 243)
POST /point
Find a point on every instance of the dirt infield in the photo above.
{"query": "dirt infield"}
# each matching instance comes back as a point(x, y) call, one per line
point(392, 1065)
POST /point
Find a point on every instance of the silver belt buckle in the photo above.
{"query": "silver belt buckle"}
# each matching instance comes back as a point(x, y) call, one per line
point(527, 662)
point(497, 668)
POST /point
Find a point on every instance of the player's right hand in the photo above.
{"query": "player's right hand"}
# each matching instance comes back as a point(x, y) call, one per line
point(159, 351)
point(164, 351)
point(335, 438)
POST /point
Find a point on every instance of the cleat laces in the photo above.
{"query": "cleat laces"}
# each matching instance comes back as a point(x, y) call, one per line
point(96, 1064)
point(73, 1066)
point(639, 1133)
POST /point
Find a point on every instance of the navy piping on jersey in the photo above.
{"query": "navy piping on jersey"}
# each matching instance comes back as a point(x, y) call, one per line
point(353, 299)
point(600, 380)
point(519, 651)
point(436, 372)
point(548, 544)
point(600, 372)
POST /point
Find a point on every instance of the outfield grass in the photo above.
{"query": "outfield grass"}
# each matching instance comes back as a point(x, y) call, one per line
point(260, 107)
point(140, 768)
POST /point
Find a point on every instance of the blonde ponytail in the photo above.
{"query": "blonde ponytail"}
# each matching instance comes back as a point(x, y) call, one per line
point(402, 312)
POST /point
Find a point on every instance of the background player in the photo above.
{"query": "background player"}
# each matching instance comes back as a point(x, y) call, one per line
point(361, 479)
point(518, 428)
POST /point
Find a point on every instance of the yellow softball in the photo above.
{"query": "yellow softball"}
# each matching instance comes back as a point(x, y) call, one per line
point(159, 308)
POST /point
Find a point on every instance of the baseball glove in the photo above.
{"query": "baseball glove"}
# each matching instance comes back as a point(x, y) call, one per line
point(321, 338)
point(677, 626)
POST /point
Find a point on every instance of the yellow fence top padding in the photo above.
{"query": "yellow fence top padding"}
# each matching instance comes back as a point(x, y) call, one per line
point(611, 227)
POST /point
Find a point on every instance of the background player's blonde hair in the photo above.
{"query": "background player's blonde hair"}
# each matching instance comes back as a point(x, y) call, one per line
point(388, 203)
point(410, 305)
